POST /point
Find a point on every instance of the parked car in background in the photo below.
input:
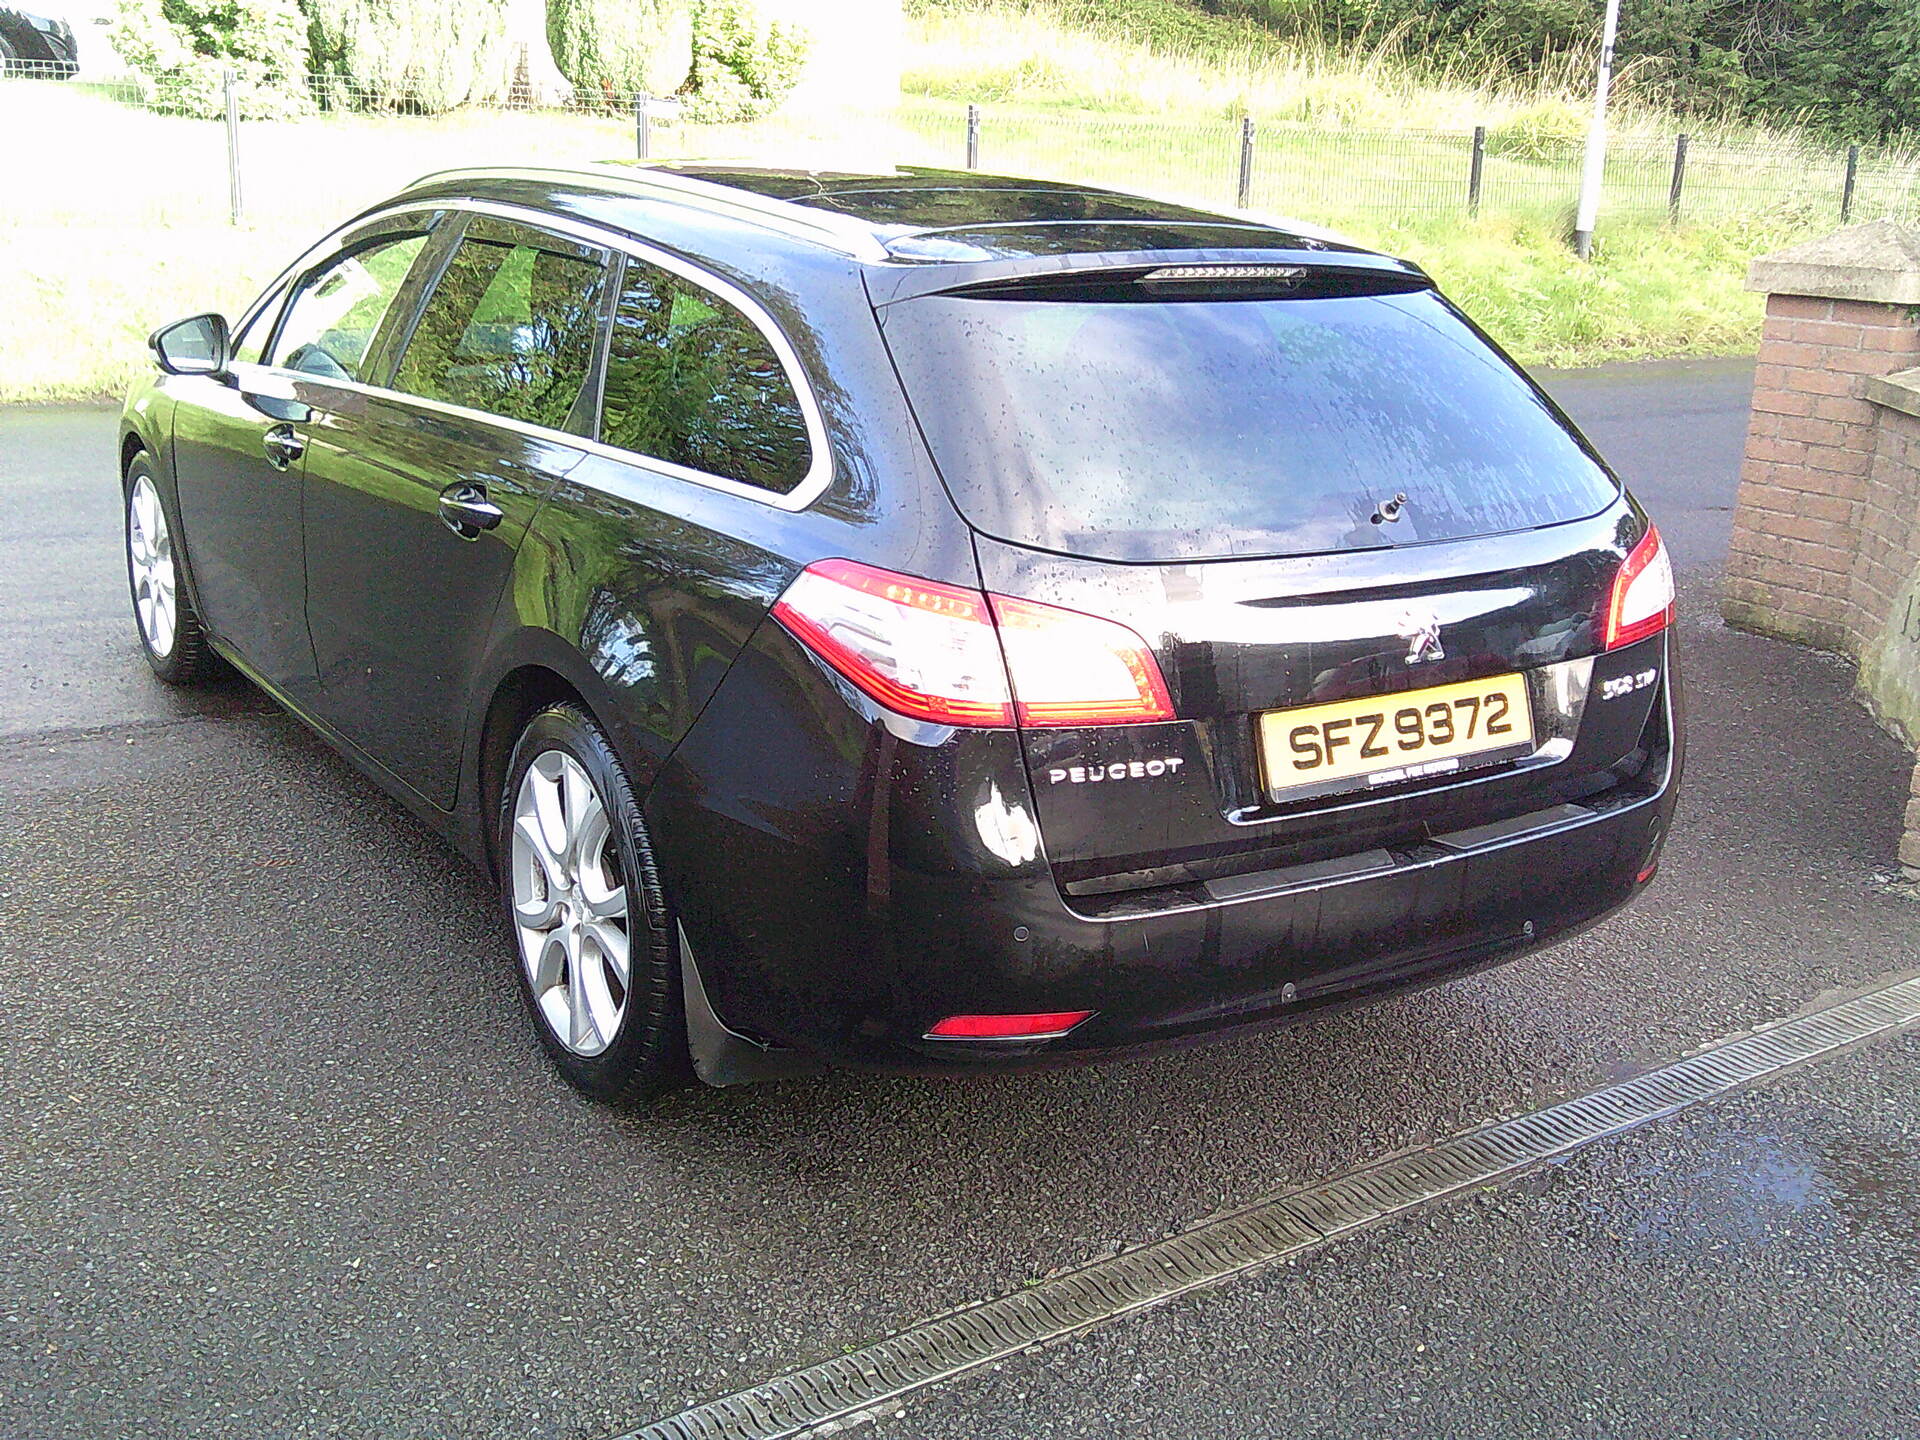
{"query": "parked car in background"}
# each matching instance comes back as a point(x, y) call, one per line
point(925, 621)
point(35, 46)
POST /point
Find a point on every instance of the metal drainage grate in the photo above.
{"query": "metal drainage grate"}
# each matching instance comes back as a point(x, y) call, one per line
point(848, 1386)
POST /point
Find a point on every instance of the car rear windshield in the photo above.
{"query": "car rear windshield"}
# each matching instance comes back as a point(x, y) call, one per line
point(1211, 428)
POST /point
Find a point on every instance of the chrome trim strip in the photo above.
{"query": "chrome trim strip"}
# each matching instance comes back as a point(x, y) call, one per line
point(849, 236)
point(820, 464)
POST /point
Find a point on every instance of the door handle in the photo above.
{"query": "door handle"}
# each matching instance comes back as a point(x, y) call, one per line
point(465, 510)
point(283, 447)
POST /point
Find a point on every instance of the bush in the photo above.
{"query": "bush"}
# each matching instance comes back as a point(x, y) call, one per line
point(181, 47)
point(418, 57)
point(613, 50)
point(744, 65)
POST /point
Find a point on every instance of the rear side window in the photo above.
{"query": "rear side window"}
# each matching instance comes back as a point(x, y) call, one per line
point(509, 329)
point(1210, 428)
point(693, 381)
point(329, 328)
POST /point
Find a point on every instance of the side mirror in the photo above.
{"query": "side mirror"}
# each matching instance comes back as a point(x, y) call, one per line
point(195, 346)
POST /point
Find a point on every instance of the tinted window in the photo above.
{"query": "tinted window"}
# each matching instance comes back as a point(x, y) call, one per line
point(330, 325)
point(510, 330)
point(691, 380)
point(1208, 428)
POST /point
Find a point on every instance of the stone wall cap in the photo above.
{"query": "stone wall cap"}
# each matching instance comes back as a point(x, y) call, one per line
point(1900, 391)
point(1879, 260)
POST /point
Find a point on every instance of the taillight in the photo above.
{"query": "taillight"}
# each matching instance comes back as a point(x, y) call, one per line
point(931, 651)
point(1642, 599)
point(916, 646)
point(1072, 669)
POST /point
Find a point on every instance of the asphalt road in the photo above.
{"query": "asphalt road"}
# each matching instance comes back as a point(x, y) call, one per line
point(280, 1157)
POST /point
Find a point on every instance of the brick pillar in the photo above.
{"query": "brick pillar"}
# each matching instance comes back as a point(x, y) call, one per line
point(1840, 311)
point(1826, 531)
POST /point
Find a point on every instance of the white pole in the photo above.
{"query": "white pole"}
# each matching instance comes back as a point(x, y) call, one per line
point(1596, 160)
point(233, 145)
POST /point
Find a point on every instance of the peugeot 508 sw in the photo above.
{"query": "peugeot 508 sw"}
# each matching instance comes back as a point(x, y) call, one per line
point(927, 621)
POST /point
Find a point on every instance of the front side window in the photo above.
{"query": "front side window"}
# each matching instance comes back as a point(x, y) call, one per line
point(693, 381)
point(330, 326)
point(510, 330)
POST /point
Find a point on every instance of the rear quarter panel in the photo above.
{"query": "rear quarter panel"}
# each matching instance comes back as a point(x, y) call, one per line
point(642, 586)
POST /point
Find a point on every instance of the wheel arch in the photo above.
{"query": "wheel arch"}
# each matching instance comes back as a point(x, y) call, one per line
point(146, 427)
point(132, 443)
point(538, 671)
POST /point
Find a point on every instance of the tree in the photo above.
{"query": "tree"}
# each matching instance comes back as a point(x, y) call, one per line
point(744, 64)
point(1851, 67)
point(182, 47)
point(614, 49)
point(416, 56)
point(726, 59)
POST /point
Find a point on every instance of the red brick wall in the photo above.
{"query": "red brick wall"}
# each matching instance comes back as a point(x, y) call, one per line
point(1805, 479)
point(1888, 546)
point(1826, 533)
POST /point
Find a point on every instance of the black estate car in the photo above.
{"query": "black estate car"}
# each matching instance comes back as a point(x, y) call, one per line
point(927, 621)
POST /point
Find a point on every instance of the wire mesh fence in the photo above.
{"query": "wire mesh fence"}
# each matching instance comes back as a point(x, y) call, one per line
point(185, 154)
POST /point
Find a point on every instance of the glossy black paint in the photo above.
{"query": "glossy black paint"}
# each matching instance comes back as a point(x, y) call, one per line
point(846, 877)
point(1235, 638)
point(244, 514)
point(866, 829)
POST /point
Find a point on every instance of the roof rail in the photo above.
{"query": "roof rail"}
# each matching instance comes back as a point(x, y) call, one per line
point(843, 233)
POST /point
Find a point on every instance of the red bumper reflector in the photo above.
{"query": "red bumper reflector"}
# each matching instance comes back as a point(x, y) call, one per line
point(1007, 1027)
point(1646, 874)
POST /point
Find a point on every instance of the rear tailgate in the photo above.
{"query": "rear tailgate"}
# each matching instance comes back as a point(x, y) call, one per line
point(1299, 486)
point(1139, 807)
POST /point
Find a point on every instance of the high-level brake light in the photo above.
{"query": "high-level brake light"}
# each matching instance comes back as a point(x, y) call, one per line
point(960, 657)
point(1642, 599)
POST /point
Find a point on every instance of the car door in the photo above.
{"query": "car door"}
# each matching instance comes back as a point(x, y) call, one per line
point(239, 445)
point(237, 484)
point(419, 490)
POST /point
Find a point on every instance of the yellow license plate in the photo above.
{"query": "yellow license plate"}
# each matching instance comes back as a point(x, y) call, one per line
point(1358, 744)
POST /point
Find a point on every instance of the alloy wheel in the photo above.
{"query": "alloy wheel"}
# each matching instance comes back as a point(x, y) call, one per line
point(570, 906)
point(150, 557)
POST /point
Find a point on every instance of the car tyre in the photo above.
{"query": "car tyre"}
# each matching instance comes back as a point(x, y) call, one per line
point(171, 635)
point(589, 926)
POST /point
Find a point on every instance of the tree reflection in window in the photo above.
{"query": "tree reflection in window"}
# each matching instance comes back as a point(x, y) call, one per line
point(509, 330)
point(691, 380)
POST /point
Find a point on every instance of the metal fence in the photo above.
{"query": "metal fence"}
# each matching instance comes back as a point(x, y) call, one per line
point(325, 149)
point(1321, 173)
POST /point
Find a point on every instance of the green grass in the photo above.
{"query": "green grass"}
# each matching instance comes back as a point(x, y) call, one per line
point(77, 300)
point(1650, 291)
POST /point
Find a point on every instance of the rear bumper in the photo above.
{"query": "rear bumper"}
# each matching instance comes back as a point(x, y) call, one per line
point(1250, 964)
point(909, 887)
